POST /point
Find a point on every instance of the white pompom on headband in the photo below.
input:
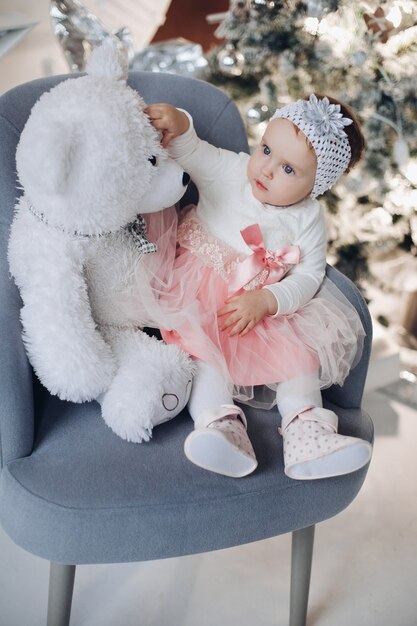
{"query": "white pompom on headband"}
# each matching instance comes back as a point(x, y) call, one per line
point(323, 125)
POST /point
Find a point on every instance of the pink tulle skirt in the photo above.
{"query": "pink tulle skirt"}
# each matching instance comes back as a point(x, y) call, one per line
point(151, 278)
point(187, 288)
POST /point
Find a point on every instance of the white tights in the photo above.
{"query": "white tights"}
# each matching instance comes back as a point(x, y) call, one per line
point(210, 391)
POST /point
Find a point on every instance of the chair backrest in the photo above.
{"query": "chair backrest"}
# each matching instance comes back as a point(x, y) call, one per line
point(218, 121)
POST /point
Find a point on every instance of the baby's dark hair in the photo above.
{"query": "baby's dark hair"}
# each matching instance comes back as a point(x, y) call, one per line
point(353, 131)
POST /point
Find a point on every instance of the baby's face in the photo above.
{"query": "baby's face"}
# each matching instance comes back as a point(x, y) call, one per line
point(282, 170)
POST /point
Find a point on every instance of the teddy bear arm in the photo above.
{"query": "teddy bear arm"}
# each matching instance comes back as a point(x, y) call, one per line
point(66, 349)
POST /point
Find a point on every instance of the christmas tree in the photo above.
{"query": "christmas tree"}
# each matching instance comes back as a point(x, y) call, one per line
point(365, 54)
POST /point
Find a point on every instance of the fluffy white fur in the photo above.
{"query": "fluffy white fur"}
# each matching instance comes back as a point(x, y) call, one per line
point(107, 63)
point(83, 161)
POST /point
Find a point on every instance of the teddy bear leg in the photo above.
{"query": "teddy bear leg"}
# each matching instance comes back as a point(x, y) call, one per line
point(152, 385)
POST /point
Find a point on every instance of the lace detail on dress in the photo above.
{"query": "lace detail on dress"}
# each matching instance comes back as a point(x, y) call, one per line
point(240, 271)
point(257, 282)
point(194, 236)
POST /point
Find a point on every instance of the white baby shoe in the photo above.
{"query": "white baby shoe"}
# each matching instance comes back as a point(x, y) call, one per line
point(222, 445)
point(313, 448)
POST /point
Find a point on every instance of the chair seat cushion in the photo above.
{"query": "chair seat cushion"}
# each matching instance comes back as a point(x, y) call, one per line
point(86, 496)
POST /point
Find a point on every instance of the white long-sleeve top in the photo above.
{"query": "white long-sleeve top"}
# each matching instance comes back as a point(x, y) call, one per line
point(226, 206)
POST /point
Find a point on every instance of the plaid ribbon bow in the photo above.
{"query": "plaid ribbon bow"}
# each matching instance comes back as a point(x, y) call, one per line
point(138, 229)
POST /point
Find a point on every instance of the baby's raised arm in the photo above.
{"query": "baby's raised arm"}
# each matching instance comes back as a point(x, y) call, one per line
point(169, 120)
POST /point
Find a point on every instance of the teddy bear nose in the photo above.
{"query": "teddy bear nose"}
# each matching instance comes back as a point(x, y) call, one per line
point(185, 179)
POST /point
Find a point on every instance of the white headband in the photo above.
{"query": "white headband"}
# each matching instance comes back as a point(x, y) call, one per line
point(322, 123)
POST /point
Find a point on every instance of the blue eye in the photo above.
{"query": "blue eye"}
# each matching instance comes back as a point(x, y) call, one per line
point(288, 169)
point(266, 150)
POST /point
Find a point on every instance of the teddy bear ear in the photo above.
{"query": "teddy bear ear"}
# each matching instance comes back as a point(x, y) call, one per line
point(45, 157)
point(108, 61)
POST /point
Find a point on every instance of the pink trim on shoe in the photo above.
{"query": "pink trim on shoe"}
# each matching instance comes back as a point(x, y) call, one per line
point(289, 418)
point(208, 416)
point(222, 446)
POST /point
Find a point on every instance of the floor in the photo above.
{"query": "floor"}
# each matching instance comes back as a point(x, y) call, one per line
point(364, 567)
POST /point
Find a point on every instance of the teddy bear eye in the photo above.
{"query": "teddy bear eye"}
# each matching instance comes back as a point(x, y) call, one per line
point(152, 160)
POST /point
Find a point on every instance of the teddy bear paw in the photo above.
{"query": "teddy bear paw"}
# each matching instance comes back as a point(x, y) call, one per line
point(129, 417)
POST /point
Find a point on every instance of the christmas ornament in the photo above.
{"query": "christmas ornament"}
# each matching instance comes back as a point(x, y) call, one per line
point(314, 8)
point(79, 31)
point(358, 57)
point(319, 8)
point(378, 25)
point(262, 7)
point(257, 113)
point(230, 60)
point(175, 56)
point(400, 151)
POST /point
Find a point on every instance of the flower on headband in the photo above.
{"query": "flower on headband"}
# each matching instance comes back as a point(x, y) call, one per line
point(326, 117)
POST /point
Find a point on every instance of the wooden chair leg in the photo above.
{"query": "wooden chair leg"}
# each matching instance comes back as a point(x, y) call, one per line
point(61, 585)
point(301, 557)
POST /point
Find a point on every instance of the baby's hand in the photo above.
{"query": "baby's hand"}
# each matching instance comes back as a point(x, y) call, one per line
point(169, 120)
point(247, 310)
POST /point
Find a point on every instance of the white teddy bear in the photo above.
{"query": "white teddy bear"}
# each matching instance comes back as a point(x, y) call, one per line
point(89, 162)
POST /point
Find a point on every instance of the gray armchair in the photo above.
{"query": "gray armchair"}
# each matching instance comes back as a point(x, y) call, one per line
point(74, 493)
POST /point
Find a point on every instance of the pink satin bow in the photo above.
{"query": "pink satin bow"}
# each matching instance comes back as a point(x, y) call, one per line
point(275, 262)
